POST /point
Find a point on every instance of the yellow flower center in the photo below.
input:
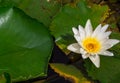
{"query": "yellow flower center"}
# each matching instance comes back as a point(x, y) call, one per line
point(91, 45)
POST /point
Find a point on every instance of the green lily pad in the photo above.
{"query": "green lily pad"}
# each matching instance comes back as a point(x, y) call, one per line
point(72, 16)
point(109, 71)
point(42, 10)
point(25, 45)
point(69, 72)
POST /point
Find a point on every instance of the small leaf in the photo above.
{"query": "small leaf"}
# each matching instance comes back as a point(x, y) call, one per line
point(5, 78)
point(25, 45)
point(69, 72)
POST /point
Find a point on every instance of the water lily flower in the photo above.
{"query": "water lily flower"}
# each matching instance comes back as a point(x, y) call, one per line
point(90, 44)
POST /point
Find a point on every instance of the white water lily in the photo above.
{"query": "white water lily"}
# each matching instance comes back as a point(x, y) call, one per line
point(91, 43)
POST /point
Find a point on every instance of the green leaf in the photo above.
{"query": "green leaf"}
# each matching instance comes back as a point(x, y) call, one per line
point(109, 71)
point(42, 10)
point(72, 16)
point(69, 72)
point(25, 45)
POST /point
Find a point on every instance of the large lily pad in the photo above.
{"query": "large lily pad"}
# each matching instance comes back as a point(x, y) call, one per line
point(25, 45)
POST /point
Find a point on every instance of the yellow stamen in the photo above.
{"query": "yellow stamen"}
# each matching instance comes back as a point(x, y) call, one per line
point(91, 45)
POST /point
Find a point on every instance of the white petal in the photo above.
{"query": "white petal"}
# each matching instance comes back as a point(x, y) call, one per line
point(96, 31)
point(84, 56)
point(84, 53)
point(109, 43)
point(104, 28)
point(88, 28)
point(96, 60)
point(75, 31)
point(112, 41)
point(81, 32)
point(103, 41)
point(75, 47)
point(76, 34)
point(107, 53)
point(77, 37)
point(105, 35)
point(105, 47)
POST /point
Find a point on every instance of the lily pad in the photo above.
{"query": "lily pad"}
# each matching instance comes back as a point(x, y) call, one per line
point(72, 16)
point(42, 10)
point(69, 72)
point(25, 45)
point(109, 71)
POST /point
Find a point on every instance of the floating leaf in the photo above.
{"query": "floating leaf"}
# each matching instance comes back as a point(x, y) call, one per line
point(72, 16)
point(25, 45)
point(42, 10)
point(109, 71)
point(69, 72)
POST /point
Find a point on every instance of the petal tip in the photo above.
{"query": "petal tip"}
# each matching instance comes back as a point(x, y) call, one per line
point(88, 22)
point(75, 31)
point(107, 25)
point(98, 66)
point(96, 60)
